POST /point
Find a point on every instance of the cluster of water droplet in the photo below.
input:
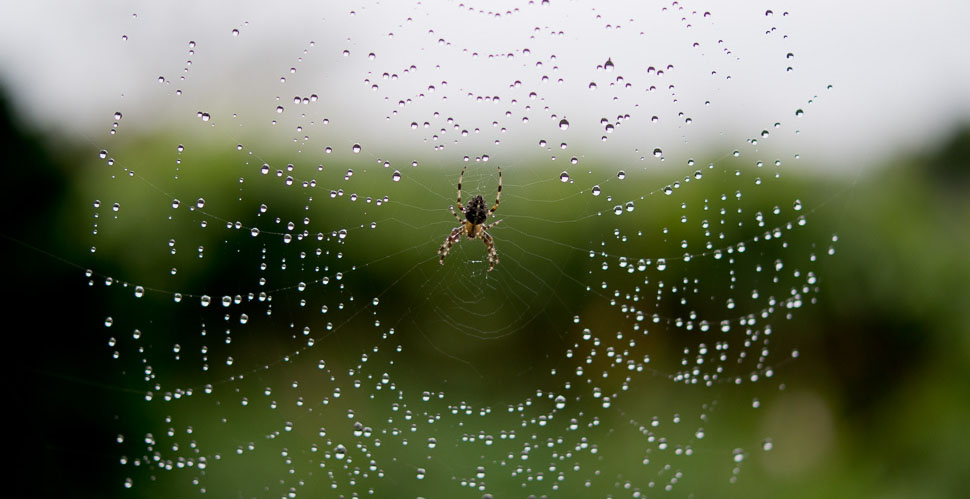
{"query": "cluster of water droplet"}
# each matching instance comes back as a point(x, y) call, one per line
point(332, 351)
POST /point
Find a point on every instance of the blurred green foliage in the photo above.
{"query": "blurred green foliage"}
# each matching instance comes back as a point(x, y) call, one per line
point(875, 405)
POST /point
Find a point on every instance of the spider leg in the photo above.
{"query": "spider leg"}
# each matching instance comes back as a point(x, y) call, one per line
point(499, 194)
point(492, 254)
point(452, 238)
point(460, 177)
point(455, 214)
point(493, 224)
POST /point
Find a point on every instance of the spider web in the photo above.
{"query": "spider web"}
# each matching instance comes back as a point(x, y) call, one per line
point(274, 290)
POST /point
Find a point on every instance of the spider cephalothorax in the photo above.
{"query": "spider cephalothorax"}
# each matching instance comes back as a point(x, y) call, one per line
point(472, 226)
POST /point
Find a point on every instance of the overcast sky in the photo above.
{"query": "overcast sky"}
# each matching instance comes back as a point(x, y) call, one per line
point(899, 70)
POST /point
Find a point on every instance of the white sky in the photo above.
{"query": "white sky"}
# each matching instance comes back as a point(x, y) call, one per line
point(900, 72)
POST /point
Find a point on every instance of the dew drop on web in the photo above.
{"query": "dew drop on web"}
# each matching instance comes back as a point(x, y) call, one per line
point(328, 330)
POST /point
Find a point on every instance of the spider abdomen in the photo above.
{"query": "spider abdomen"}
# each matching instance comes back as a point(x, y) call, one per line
point(475, 211)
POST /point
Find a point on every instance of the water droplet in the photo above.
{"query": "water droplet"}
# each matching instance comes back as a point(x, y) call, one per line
point(621, 174)
point(356, 148)
point(205, 300)
point(396, 176)
point(200, 203)
point(139, 291)
point(563, 124)
point(564, 176)
point(657, 152)
point(798, 205)
point(560, 402)
point(420, 474)
point(596, 190)
point(608, 65)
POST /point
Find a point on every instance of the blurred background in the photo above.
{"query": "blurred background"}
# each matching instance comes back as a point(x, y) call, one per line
point(137, 130)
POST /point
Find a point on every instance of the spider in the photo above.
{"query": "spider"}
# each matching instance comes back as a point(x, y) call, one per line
point(472, 226)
